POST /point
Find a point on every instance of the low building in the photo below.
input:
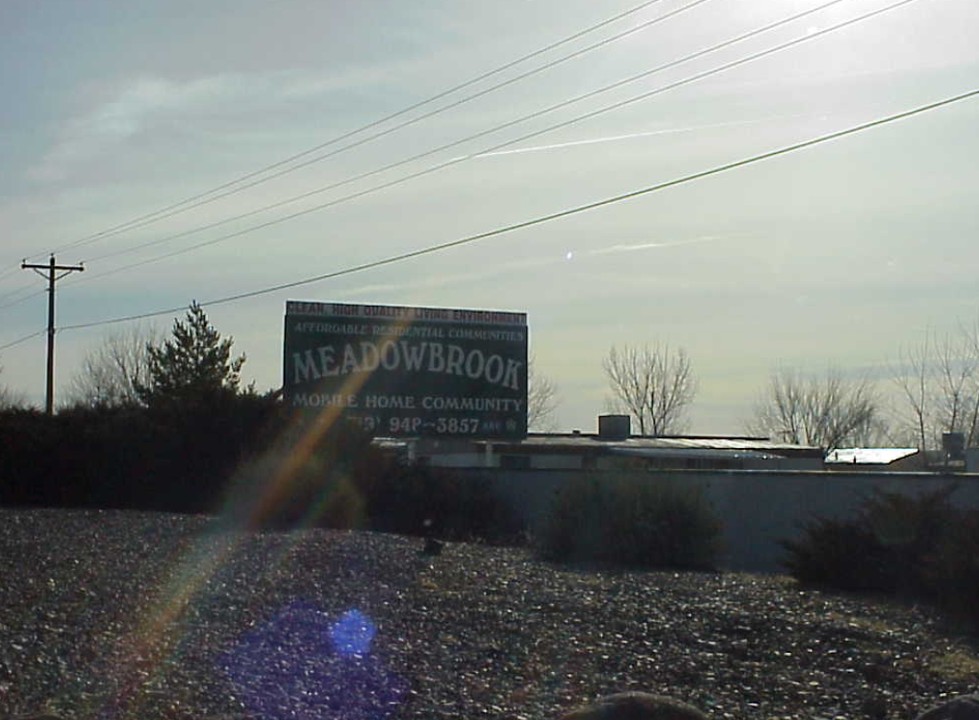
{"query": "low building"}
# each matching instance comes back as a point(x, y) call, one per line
point(614, 447)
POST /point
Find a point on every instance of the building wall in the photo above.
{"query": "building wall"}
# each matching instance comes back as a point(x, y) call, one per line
point(456, 456)
point(758, 509)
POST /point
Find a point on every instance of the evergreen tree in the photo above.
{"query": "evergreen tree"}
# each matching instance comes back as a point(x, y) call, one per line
point(194, 365)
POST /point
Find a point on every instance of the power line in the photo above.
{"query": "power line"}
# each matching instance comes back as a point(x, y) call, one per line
point(9, 271)
point(22, 340)
point(468, 138)
point(427, 153)
point(18, 300)
point(412, 121)
point(454, 161)
point(10, 293)
point(191, 202)
point(347, 181)
point(419, 118)
point(553, 216)
point(494, 148)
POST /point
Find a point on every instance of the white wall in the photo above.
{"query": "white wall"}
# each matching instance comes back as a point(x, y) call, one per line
point(758, 509)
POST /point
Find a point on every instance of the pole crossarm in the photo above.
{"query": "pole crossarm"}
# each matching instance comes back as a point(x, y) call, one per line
point(48, 266)
point(52, 272)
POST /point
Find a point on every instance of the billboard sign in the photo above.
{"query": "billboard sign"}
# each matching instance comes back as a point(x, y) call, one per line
point(409, 371)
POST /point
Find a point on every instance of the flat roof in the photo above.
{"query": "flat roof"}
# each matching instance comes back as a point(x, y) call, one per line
point(869, 456)
point(578, 442)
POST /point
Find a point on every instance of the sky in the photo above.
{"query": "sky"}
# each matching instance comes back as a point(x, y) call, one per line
point(841, 253)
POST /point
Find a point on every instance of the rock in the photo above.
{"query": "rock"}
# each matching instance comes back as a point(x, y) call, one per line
point(874, 707)
point(964, 707)
point(432, 547)
point(636, 706)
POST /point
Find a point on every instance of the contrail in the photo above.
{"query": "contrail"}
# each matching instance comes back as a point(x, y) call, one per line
point(530, 263)
point(615, 138)
point(654, 245)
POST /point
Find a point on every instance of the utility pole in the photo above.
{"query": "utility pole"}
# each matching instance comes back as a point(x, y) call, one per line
point(51, 273)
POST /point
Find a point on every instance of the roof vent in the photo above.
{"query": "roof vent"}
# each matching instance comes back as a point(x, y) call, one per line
point(614, 427)
point(953, 443)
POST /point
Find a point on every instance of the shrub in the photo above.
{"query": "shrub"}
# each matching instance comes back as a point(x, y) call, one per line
point(884, 548)
point(643, 523)
point(953, 569)
point(312, 472)
point(919, 547)
point(572, 530)
point(129, 457)
point(838, 553)
point(305, 472)
point(248, 456)
point(420, 500)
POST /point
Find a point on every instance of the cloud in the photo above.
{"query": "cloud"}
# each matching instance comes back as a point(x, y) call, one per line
point(131, 110)
point(147, 98)
point(145, 105)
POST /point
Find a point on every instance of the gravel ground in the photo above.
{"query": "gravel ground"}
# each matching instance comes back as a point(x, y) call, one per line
point(142, 615)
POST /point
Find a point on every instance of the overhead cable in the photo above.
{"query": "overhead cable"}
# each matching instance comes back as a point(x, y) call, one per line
point(203, 198)
point(552, 216)
point(5, 303)
point(454, 161)
point(22, 340)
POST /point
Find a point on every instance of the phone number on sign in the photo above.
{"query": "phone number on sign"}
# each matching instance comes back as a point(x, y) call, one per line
point(418, 425)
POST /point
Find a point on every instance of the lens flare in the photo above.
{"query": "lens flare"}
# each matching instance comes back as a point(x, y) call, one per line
point(299, 665)
point(253, 497)
point(353, 634)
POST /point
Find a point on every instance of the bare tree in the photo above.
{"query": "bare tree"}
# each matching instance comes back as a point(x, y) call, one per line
point(111, 374)
point(938, 388)
point(9, 399)
point(542, 399)
point(914, 385)
point(970, 361)
point(655, 384)
point(830, 411)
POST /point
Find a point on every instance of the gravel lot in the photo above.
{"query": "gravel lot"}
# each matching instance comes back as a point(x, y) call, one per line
point(127, 614)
